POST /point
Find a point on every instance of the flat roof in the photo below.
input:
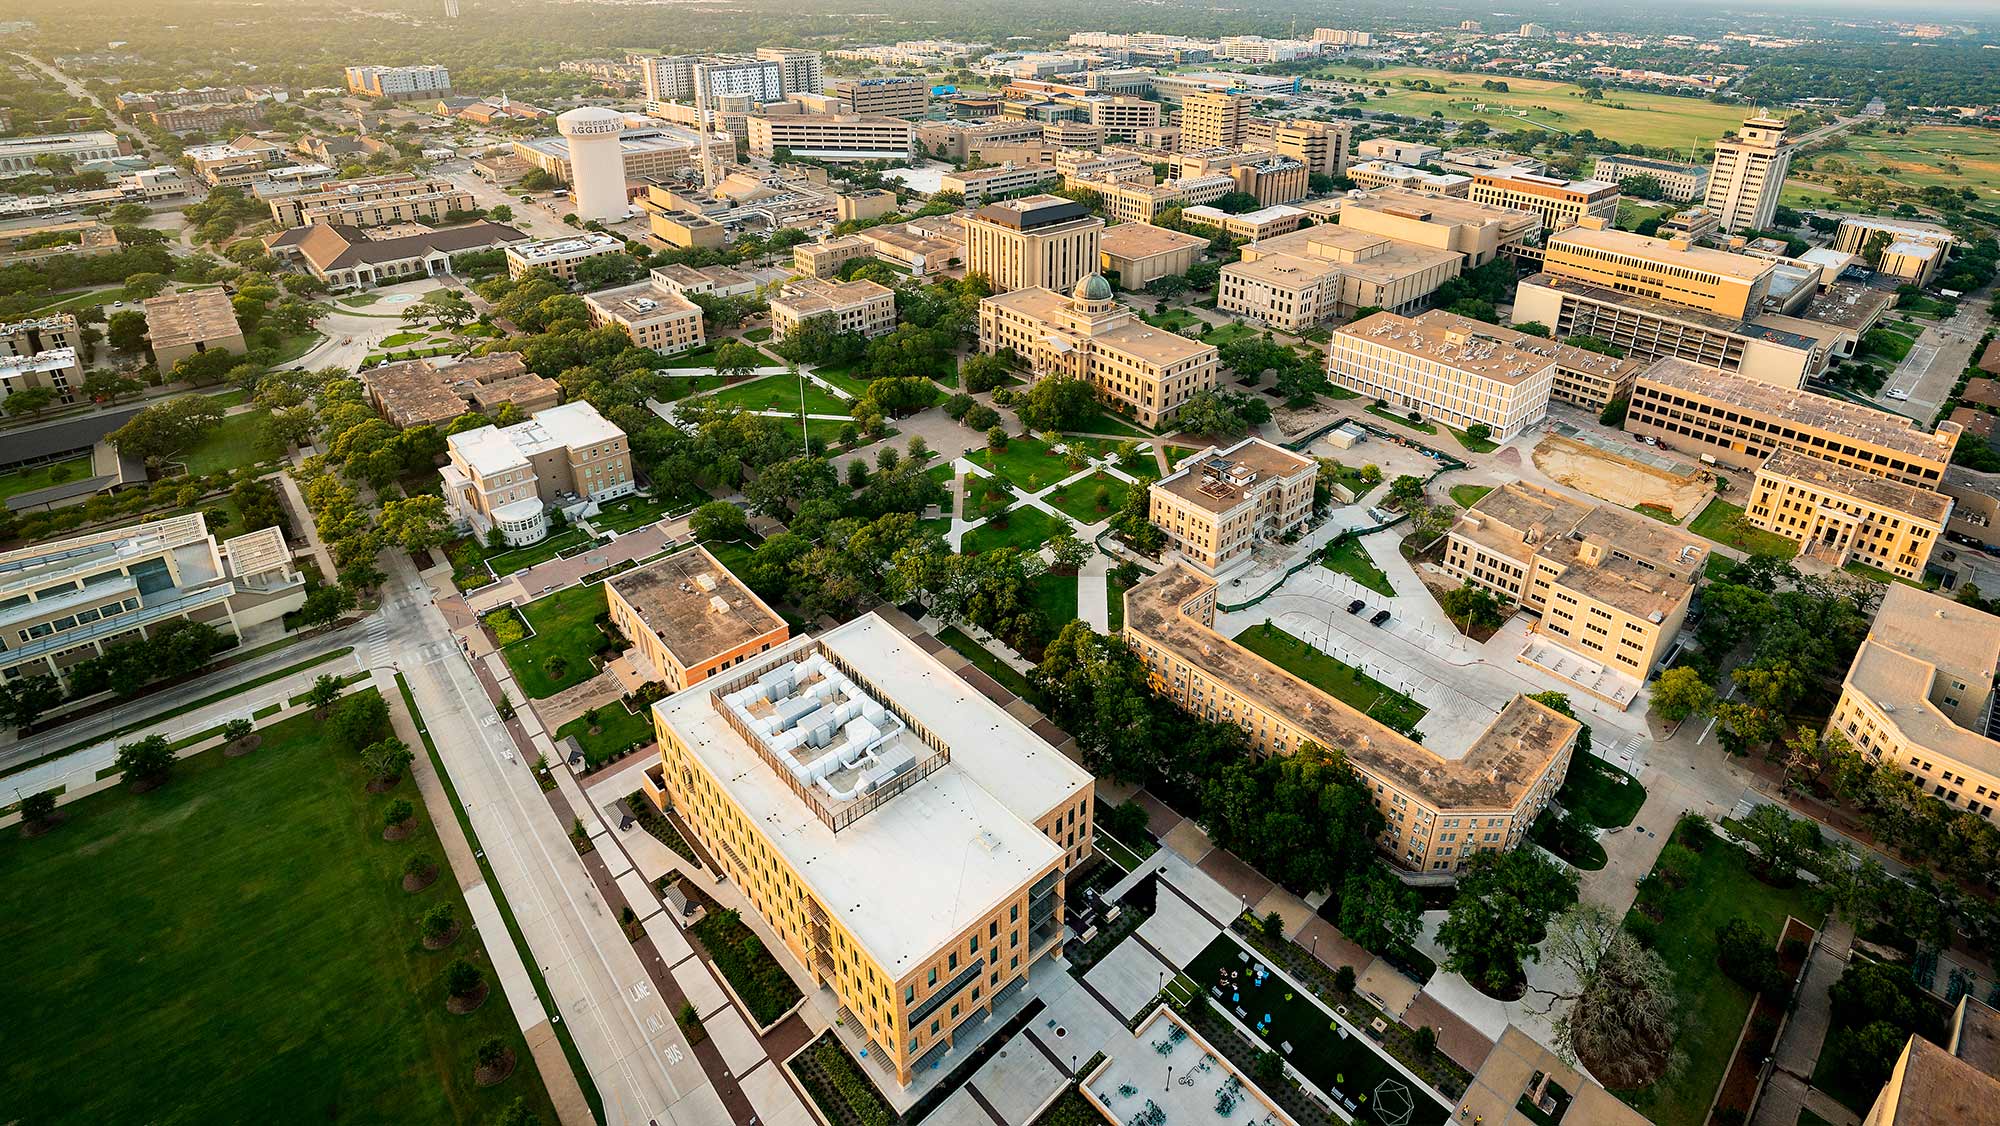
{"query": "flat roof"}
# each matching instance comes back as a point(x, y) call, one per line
point(811, 296)
point(412, 389)
point(1935, 1088)
point(1375, 256)
point(1256, 218)
point(1427, 208)
point(1488, 350)
point(1218, 479)
point(568, 246)
point(1034, 211)
point(1507, 759)
point(1672, 311)
point(1844, 480)
point(1143, 240)
point(697, 608)
point(1847, 305)
point(1134, 338)
point(191, 316)
point(495, 449)
point(911, 874)
point(1908, 227)
point(1799, 407)
point(1605, 552)
point(1664, 252)
point(642, 301)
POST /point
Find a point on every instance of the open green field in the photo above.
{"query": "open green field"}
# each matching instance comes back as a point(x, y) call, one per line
point(1026, 527)
point(1055, 596)
point(42, 476)
point(1079, 500)
point(1026, 463)
point(781, 393)
point(1334, 677)
point(237, 947)
point(565, 628)
point(1924, 156)
point(1348, 557)
point(619, 729)
point(1559, 107)
point(1719, 522)
point(237, 442)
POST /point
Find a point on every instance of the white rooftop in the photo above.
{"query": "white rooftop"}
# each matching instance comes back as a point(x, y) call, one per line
point(568, 246)
point(493, 449)
point(910, 874)
point(1260, 216)
point(55, 359)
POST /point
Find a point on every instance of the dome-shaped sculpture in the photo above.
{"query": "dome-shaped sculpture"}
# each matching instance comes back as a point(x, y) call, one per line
point(1092, 287)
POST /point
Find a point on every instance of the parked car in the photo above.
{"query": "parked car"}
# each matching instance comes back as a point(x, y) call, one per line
point(1356, 606)
point(1381, 617)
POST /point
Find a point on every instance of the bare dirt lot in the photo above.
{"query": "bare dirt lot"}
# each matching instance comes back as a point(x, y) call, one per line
point(1620, 480)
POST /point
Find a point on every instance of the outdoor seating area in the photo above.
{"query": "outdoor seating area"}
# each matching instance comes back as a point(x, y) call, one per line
point(1173, 1076)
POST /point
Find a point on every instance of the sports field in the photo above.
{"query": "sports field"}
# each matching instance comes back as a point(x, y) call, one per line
point(1951, 155)
point(1559, 107)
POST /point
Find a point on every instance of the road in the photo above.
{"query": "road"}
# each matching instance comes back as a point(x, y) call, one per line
point(530, 218)
point(1925, 377)
point(77, 89)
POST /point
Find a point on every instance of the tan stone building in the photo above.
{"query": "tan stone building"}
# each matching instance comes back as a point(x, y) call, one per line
point(977, 185)
point(690, 619)
point(1214, 119)
point(823, 259)
point(1748, 174)
point(1680, 183)
point(652, 314)
point(831, 136)
point(371, 202)
point(1673, 270)
point(1141, 252)
point(1955, 1084)
point(1477, 232)
point(904, 837)
point(1612, 586)
point(179, 325)
point(865, 307)
point(1837, 513)
point(567, 457)
point(1561, 203)
point(1385, 174)
point(1263, 223)
point(1322, 146)
point(559, 257)
point(1221, 503)
point(1742, 422)
point(1449, 368)
point(1440, 810)
point(1039, 241)
point(421, 393)
point(1295, 281)
point(1135, 368)
point(907, 95)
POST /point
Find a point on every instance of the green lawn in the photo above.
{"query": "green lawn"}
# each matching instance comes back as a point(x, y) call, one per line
point(1173, 320)
point(361, 300)
point(1025, 527)
point(1402, 420)
point(757, 335)
point(398, 339)
point(1476, 445)
point(843, 377)
point(42, 476)
point(1877, 574)
point(989, 664)
point(1348, 557)
point(1026, 462)
point(1712, 1006)
point(701, 357)
point(238, 442)
point(1336, 678)
point(1219, 335)
point(1079, 502)
point(1465, 496)
point(621, 729)
point(566, 628)
point(1718, 522)
point(1102, 421)
point(509, 560)
point(237, 947)
point(985, 496)
point(781, 393)
point(1600, 793)
point(1114, 599)
point(1882, 344)
point(627, 513)
point(1055, 596)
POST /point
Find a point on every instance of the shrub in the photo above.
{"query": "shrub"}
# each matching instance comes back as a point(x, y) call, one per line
point(38, 807)
point(399, 813)
point(853, 1088)
point(437, 922)
point(462, 978)
point(1747, 956)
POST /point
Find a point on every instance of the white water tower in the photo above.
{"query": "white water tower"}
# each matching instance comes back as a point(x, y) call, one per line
point(596, 161)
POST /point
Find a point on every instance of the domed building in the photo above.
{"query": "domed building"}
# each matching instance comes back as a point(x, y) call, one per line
point(1136, 369)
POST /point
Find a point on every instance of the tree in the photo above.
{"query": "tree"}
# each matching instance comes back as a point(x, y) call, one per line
point(1055, 403)
point(235, 729)
point(417, 523)
point(1378, 910)
point(38, 808)
point(462, 978)
point(1784, 843)
point(1750, 958)
point(146, 763)
point(1473, 607)
point(386, 760)
point(1067, 552)
point(437, 924)
point(1406, 491)
point(518, 1114)
point(140, 286)
point(29, 400)
point(358, 720)
point(1504, 903)
point(1620, 1017)
point(1212, 412)
point(720, 521)
point(734, 359)
point(398, 814)
point(1680, 692)
point(109, 386)
point(26, 700)
point(324, 692)
point(164, 429)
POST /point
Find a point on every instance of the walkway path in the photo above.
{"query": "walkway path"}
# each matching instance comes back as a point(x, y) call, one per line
point(1805, 1035)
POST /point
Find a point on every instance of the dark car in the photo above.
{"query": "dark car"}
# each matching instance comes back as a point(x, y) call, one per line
point(1356, 606)
point(1380, 617)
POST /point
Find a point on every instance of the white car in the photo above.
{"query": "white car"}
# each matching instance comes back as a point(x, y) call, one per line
point(1899, 396)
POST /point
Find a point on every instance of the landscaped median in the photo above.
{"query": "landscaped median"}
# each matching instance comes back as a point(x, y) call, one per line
point(752, 972)
point(549, 644)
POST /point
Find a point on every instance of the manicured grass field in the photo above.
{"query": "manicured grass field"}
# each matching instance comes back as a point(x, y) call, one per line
point(565, 626)
point(1173, 320)
point(1402, 420)
point(1026, 462)
point(1349, 558)
point(1079, 502)
point(1882, 344)
point(701, 357)
point(1026, 527)
point(1055, 597)
point(1920, 157)
point(1219, 335)
point(237, 947)
point(621, 729)
point(1336, 678)
point(508, 561)
point(781, 393)
point(757, 335)
point(1476, 445)
point(1528, 103)
point(42, 476)
point(844, 378)
point(1465, 496)
point(627, 513)
point(985, 496)
point(1712, 1006)
point(1102, 421)
point(237, 442)
point(1114, 599)
point(1717, 522)
point(1600, 793)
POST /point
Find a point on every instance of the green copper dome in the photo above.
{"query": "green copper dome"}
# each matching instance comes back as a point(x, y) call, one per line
point(1093, 288)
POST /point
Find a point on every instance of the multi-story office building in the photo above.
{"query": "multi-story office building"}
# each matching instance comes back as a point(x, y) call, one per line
point(905, 837)
point(799, 71)
point(19, 154)
point(1951, 1083)
point(1742, 422)
point(1140, 253)
point(1836, 513)
point(830, 136)
point(1214, 119)
point(1250, 226)
point(568, 458)
point(181, 324)
point(1612, 586)
point(1690, 223)
point(1713, 281)
point(206, 119)
point(370, 202)
point(1396, 151)
point(1267, 177)
point(1749, 174)
point(977, 185)
point(1297, 280)
point(1680, 183)
point(1450, 368)
point(66, 601)
point(399, 82)
point(900, 96)
point(1072, 135)
point(1319, 145)
point(75, 238)
point(689, 619)
point(1651, 328)
point(1477, 232)
point(1919, 695)
point(654, 314)
point(559, 257)
point(1440, 811)
point(824, 259)
point(1383, 174)
point(1901, 248)
point(1123, 118)
point(1038, 241)
point(703, 80)
point(1477, 161)
point(1139, 200)
point(41, 352)
point(865, 307)
point(1135, 368)
point(961, 140)
point(1561, 203)
point(1221, 503)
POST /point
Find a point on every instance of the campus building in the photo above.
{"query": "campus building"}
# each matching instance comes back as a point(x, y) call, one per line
point(1397, 151)
point(1958, 1083)
point(653, 313)
point(1679, 183)
point(1448, 368)
point(689, 619)
point(1748, 175)
point(905, 837)
point(1388, 174)
point(1837, 513)
point(179, 325)
point(1742, 422)
point(866, 307)
point(1037, 241)
point(370, 202)
point(1920, 695)
point(422, 393)
point(19, 154)
point(655, 151)
point(1221, 503)
point(830, 136)
point(799, 71)
point(977, 185)
point(346, 257)
point(1440, 811)
point(1141, 252)
point(1295, 281)
point(1477, 232)
point(1263, 223)
point(1135, 368)
point(57, 369)
point(1214, 119)
point(1561, 203)
point(66, 601)
point(1910, 250)
point(1319, 145)
point(895, 96)
point(399, 82)
point(559, 257)
point(1671, 270)
point(567, 457)
point(1612, 585)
